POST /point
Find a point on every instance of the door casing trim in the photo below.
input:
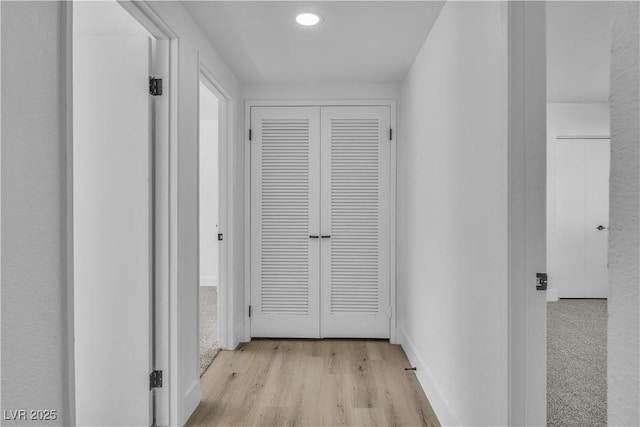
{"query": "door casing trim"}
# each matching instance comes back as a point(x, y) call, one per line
point(391, 103)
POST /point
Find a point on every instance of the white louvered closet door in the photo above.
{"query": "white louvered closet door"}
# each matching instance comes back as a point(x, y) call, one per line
point(285, 209)
point(355, 214)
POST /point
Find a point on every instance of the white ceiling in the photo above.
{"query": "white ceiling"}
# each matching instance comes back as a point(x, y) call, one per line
point(578, 51)
point(357, 41)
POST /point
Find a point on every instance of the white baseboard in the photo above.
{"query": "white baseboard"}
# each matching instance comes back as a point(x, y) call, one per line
point(209, 281)
point(191, 400)
point(438, 402)
point(552, 295)
point(238, 337)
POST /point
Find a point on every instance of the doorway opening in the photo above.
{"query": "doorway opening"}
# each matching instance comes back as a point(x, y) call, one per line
point(210, 230)
point(578, 164)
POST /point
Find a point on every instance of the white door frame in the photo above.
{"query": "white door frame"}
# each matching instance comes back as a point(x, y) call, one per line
point(225, 124)
point(165, 301)
point(168, 401)
point(527, 211)
point(247, 197)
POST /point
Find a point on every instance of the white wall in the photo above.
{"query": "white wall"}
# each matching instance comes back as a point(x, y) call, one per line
point(209, 218)
point(623, 345)
point(578, 51)
point(566, 119)
point(35, 325)
point(319, 91)
point(573, 119)
point(315, 91)
point(452, 216)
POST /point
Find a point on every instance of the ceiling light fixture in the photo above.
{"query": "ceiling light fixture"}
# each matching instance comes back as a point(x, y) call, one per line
point(308, 19)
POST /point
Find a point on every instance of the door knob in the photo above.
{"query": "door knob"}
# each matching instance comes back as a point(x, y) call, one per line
point(601, 227)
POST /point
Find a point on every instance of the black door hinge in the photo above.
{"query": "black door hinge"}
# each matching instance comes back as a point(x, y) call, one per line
point(219, 236)
point(542, 281)
point(249, 311)
point(155, 86)
point(249, 134)
point(390, 134)
point(155, 379)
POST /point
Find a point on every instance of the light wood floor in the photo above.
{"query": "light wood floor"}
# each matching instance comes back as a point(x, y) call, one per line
point(312, 383)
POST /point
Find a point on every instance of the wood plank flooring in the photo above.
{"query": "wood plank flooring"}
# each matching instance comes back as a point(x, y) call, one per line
point(312, 383)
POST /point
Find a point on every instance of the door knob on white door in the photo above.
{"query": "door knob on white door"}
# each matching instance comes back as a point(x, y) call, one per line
point(601, 227)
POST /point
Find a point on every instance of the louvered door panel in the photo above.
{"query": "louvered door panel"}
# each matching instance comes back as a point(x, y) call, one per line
point(355, 213)
point(284, 213)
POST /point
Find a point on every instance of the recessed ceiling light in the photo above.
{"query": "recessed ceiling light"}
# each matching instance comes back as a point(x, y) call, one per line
point(308, 19)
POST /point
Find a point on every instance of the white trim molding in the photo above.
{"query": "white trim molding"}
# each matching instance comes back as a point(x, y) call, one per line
point(191, 401)
point(169, 404)
point(425, 377)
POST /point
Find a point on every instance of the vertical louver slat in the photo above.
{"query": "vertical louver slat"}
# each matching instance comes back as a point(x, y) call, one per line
point(354, 216)
point(285, 216)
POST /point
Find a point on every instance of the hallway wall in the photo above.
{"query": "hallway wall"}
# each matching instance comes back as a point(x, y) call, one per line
point(315, 92)
point(319, 91)
point(623, 343)
point(452, 215)
point(35, 326)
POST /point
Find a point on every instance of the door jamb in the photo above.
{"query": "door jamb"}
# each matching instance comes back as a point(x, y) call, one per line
point(391, 103)
point(527, 212)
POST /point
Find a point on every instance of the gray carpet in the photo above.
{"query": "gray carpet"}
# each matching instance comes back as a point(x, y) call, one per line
point(577, 362)
point(208, 326)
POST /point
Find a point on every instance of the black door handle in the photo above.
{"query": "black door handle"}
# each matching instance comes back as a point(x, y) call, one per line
point(325, 236)
point(314, 237)
point(600, 227)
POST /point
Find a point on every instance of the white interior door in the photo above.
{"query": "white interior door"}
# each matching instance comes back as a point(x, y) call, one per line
point(320, 222)
point(355, 222)
point(578, 265)
point(285, 212)
point(112, 223)
point(597, 161)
